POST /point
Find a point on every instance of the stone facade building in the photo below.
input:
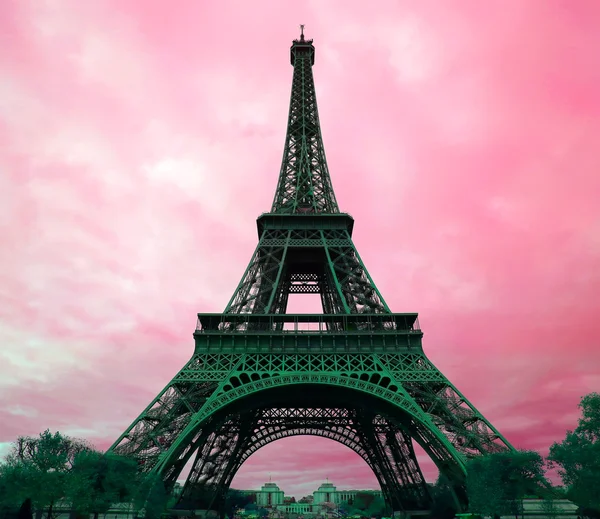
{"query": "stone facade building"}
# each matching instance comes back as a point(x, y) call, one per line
point(271, 496)
point(328, 493)
point(314, 506)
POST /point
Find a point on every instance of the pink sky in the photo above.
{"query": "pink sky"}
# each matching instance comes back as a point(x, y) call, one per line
point(139, 142)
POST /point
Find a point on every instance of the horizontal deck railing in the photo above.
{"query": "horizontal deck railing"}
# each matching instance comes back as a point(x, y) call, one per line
point(308, 323)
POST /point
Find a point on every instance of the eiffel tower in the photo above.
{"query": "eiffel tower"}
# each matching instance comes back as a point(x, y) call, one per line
point(356, 373)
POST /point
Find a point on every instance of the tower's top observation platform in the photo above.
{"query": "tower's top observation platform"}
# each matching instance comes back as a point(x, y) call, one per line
point(303, 47)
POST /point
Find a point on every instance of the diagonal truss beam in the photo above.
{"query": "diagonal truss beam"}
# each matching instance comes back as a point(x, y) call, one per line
point(384, 447)
point(304, 184)
point(330, 265)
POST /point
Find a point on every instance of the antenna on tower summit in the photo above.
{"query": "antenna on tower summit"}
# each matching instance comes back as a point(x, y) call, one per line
point(302, 32)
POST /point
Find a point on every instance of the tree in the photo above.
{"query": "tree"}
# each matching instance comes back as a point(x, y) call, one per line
point(327, 507)
point(44, 465)
point(523, 474)
point(199, 496)
point(497, 483)
point(590, 513)
point(344, 507)
point(444, 503)
point(578, 456)
point(549, 508)
point(174, 495)
point(99, 480)
point(54, 467)
point(151, 496)
point(484, 487)
point(157, 501)
point(364, 504)
point(363, 500)
point(376, 508)
point(15, 480)
point(236, 499)
point(25, 512)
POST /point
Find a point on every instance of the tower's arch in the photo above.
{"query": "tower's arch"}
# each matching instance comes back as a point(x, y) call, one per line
point(357, 413)
point(297, 459)
point(277, 424)
point(325, 423)
point(305, 390)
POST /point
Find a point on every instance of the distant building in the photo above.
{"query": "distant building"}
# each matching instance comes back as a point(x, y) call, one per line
point(271, 496)
point(328, 493)
point(327, 498)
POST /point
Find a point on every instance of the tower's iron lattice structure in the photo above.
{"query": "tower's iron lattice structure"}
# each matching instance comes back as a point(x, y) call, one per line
point(356, 373)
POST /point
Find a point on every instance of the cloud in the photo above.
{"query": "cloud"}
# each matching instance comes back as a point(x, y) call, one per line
point(139, 143)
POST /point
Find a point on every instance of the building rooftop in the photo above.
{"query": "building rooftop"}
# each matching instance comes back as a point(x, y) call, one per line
point(270, 485)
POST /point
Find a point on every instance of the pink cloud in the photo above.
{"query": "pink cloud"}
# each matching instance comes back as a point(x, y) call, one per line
point(140, 142)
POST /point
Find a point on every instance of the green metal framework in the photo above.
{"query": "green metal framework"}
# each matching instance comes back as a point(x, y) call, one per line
point(356, 373)
point(304, 183)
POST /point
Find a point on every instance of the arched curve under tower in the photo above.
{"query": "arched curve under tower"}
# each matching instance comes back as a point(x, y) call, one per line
point(330, 424)
point(298, 464)
point(305, 390)
point(375, 427)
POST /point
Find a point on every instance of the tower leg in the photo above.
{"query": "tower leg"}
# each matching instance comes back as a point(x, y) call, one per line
point(203, 490)
point(395, 456)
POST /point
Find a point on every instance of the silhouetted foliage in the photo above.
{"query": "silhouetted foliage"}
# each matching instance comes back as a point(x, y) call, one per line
point(43, 466)
point(578, 457)
point(55, 467)
point(550, 508)
point(26, 511)
point(588, 513)
point(197, 497)
point(99, 480)
point(237, 499)
point(366, 504)
point(363, 500)
point(14, 488)
point(174, 495)
point(444, 504)
point(152, 497)
point(497, 483)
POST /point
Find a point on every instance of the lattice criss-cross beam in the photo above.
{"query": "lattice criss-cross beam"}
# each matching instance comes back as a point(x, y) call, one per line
point(304, 184)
